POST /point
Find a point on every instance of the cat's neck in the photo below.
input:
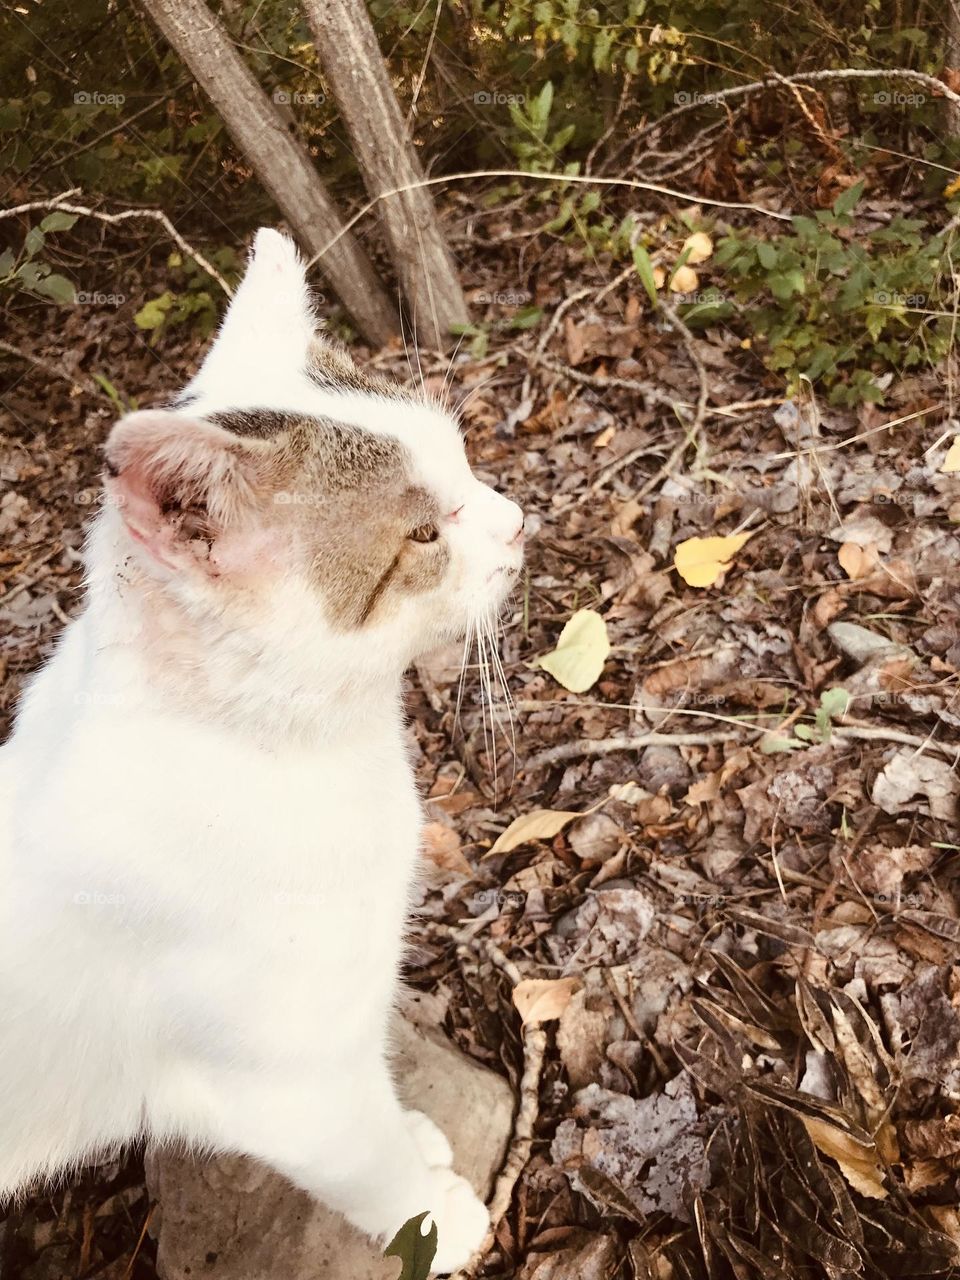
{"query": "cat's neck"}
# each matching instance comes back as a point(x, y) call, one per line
point(155, 652)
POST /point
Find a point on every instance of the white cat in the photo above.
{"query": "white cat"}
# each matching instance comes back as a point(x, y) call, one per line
point(208, 821)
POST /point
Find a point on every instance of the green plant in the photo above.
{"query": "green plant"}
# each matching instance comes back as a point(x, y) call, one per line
point(838, 306)
point(25, 270)
point(193, 302)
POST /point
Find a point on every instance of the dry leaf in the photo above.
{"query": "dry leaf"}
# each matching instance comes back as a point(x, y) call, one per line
point(697, 247)
point(706, 789)
point(908, 775)
point(581, 651)
point(951, 462)
point(701, 561)
point(858, 1163)
point(541, 824)
point(858, 562)
point(543, 999)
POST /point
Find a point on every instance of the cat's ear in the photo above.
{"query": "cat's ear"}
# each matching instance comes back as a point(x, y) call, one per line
point(270, 319)
point(186, 489)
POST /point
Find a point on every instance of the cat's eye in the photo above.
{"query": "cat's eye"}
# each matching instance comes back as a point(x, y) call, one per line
point(425, 533)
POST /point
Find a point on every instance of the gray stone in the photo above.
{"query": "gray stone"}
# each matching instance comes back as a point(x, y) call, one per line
point(231, 1218)
point(861, 644)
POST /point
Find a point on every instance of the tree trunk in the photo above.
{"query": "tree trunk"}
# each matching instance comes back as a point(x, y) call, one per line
point(951, 66)
point(278, 159)
point(348, 49)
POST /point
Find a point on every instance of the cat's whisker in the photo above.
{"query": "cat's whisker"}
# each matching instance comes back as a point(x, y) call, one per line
point(471, 391)
point(467, 649)
point(450, 373)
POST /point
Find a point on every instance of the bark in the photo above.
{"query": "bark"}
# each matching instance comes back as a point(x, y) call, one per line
point(354, 67)
point(279, 161)
point(951, 65)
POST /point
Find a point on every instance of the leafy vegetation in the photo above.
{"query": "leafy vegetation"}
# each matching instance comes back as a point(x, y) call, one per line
point(846, 298)
point(836, 304)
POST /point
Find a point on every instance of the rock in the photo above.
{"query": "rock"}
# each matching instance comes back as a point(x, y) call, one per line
point(231, 1218)
point(861, 644)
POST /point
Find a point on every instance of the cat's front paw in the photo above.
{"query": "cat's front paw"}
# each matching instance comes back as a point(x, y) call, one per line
point(461, 1219)
point(430, 1139)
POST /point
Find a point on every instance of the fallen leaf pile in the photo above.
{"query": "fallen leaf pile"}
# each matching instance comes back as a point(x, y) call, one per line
point(711, 853)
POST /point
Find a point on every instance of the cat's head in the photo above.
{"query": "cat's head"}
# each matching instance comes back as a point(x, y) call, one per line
point(288, 492)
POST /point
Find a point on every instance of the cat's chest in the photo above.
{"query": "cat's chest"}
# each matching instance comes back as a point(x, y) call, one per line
point(206, 817)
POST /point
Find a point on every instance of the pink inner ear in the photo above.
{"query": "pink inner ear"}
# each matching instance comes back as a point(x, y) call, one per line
point(141, 513)
point(186, 491)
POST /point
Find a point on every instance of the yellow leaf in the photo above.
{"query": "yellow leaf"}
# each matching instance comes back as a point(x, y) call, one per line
point(952, 188)
point(701, 561)
point(699, 247)
point(541, 824)
point(952, 461)
point(581, 651)
point(685, 280)
point(659, 277)
point(858, 1163)
point(543, 999)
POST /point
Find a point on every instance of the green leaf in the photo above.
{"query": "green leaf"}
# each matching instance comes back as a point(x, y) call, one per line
point(414, 1249)
point(526, 318)
point(7, 260)
point(835, 701)
point(34, 241)
point(772, 745)
point(57, 287)
point(641, 260)
point(58, 221)
point(153, 313)
point(767, 253)
point(847, 200)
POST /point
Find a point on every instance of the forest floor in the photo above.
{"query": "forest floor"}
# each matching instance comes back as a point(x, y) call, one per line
point(745, 1061)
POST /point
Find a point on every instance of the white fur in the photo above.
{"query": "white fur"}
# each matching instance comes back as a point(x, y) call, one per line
point(208, 834)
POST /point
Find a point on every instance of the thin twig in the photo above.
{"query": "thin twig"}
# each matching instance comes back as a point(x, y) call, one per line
point(633, 184)
point(604, 746)
point(772, 82)
point(62, 204)
point(877, 734)
point(521, 1143)
point(47, 366)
